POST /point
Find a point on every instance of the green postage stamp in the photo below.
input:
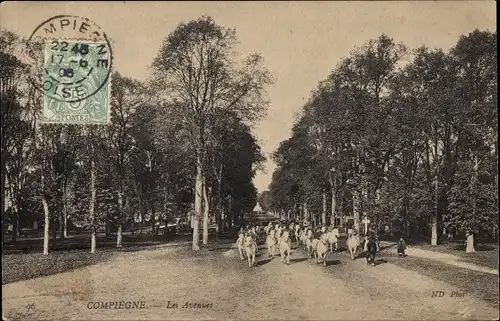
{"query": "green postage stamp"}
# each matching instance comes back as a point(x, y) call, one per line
point(76, 79)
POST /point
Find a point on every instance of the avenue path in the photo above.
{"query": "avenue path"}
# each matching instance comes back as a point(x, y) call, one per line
point(344, 290)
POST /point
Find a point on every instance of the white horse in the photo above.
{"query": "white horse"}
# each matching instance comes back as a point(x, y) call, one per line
point(333, 239)
point(352, 244)
point(271, 244)
point(309, 245)
point(240, 246)
point(302, 237)
point(250, 249)
point(285, 246)
point(320, 249)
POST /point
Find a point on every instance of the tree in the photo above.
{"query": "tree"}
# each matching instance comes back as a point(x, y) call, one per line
point(15, 113)
point(474, 61)
point(398, 142)
point(195, 66)
point(126, 96)
point(265, 201)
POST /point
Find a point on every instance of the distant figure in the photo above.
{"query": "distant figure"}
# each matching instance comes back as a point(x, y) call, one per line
point(401, 247)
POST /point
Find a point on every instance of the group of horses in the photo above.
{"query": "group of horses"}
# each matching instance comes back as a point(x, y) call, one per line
point(279, 239)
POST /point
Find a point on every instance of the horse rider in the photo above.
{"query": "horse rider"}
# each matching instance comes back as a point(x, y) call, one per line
point(373, 232)
point(291, 229)
point(371, 249)
point(278, 231)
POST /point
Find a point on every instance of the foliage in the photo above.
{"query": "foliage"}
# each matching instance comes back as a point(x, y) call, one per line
point(384, 130)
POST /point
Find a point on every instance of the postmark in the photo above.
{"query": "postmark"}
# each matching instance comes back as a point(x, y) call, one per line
point(72, 68)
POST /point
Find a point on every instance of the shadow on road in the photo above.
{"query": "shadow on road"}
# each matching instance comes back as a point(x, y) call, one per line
point(297, 260)
point(262, 262)
point(226, 248)
point(380, 261)
point(333, 262)
point(387, 247)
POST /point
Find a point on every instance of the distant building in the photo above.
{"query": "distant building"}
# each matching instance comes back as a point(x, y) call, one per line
point(257, 209)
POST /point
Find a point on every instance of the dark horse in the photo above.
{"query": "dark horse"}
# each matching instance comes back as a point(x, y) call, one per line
point(371, 248)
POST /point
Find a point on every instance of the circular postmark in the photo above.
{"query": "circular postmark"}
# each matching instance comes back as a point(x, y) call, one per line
point(73, 59)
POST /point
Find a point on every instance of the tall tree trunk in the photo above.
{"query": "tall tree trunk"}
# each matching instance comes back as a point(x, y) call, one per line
point(355, 209)
point(357, 196)
point(15, 222)
point(333, 189)
point(2, 191)
point(434, 236)
point(323, 213)
point(223, 219)
point(54, 230)
point(306, 213)
point(470, 234)
point(219, 213)
point(45, 205)
point(140, 221)
point(157, 221)
point(46, 227)
point(107, 229)
point(92, 197)
point(197, 204)
point(218, 221)
point(63, 211)
point(120, 210)
point(205, 212)
point(119, 236)
point(65, 223)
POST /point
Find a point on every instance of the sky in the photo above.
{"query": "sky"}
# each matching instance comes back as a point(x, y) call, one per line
point(301, 42)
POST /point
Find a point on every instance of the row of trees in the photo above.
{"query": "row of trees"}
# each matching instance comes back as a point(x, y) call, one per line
point(383, 138)
point(182, 137)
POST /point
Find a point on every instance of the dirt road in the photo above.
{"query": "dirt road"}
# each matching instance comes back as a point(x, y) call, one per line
point(225, 288)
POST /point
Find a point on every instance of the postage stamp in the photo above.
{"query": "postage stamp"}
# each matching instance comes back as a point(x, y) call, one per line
point(72, 63)
point(75, 81)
